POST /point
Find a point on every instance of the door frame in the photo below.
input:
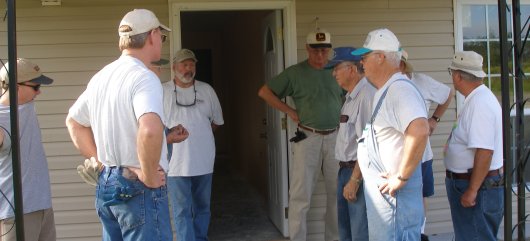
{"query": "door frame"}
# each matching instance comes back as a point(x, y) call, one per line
point(287, 6)
point(288, 35)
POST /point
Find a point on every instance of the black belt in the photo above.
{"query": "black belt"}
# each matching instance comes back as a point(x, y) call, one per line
point(467, 176)
point(321, 132)
point(348, 164)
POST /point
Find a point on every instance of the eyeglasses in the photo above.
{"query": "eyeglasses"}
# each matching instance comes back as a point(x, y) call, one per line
point(162, 36)
point(365, 57)
point(319, 50)
point(34, 87)
point(186, 105)
point(156, 67)
point(341, 66)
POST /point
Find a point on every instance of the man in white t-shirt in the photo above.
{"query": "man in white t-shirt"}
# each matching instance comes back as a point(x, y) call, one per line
point(473, 156)
point(432, 92)
point(392, 145)
point(195, 105)
point(119, 119)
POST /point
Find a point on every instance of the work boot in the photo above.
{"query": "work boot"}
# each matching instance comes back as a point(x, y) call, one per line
point(424, 237)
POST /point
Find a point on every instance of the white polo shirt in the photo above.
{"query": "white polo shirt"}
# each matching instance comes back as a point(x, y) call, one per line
point(115, 98)
point(479, 125)
point(194, 156)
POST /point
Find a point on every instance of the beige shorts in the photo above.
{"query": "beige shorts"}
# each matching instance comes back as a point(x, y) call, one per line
point(38, 226)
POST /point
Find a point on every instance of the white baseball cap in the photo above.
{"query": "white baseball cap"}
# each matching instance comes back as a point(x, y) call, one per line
point(319, 39)
point(379, 39)
point(469, 62)
point(140, 21)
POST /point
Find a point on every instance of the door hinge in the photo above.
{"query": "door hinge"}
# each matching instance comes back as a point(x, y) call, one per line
point(279, 33)
point(286, 212)
point(284, 123)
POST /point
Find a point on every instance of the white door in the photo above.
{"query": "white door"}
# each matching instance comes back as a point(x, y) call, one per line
point(276, 127)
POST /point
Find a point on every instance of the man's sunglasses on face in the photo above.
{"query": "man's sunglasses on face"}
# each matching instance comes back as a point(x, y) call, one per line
point(34, 87)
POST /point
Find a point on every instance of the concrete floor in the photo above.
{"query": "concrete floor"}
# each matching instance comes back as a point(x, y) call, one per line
point(238, 212)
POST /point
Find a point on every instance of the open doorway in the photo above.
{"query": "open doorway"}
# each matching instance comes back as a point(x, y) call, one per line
point(228, 45)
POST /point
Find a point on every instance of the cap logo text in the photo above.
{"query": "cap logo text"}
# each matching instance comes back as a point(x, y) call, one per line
point(320, 37)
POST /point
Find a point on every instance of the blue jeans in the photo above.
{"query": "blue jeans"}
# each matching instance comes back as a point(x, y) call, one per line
point(190, 200)
point(396, 218)
point(141, 213)
point(353, 225)
point(427, 178)
point(482, 221)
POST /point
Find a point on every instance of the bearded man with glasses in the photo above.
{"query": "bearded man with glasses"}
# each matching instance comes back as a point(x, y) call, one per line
point(195, 105)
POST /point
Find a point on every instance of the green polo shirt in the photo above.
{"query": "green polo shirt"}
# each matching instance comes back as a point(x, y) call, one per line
point(316, 94)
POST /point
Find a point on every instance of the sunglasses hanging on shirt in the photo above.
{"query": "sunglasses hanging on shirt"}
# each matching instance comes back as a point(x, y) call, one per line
point(186, 105)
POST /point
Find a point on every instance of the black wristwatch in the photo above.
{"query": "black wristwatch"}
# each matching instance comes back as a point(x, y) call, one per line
point(402, 178)
point(436, 118)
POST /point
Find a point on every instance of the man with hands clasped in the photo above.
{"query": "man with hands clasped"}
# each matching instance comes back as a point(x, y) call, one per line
point(473, 156)
point(351, 205)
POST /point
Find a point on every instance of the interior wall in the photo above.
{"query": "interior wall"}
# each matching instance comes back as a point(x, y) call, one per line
point(236, 42)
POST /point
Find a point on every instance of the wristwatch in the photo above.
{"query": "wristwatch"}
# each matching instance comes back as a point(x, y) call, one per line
point(402, 178)
point(436, 118)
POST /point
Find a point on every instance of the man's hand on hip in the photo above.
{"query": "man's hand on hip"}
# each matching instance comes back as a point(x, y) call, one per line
point(392, 185)
point(155, 180)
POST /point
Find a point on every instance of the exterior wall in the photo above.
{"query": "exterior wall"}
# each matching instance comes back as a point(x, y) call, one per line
point(71, 42)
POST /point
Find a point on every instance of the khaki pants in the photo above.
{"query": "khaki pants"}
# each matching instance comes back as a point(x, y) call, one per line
point(313, 156)
point(38, 226)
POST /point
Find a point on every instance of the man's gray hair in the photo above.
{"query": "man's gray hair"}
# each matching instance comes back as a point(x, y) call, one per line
point(133, 42)
point(394, 58)
point(468, 77)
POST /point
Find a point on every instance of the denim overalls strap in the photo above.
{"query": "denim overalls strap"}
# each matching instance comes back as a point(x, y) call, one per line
point(372, 146)
point(380, 101)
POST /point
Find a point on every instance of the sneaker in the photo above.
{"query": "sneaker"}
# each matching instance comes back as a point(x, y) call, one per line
point(424, 237)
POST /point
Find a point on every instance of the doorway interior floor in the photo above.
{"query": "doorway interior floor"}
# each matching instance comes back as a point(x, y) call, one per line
point(238, 211)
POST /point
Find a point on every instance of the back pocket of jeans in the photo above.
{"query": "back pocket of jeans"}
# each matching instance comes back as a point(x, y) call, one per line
point(130, 214)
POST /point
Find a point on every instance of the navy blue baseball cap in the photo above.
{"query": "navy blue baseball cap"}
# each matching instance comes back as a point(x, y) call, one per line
point(342, 54)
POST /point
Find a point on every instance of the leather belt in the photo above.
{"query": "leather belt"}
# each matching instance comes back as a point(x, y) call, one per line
point(321, 132)
point(348, 164)
point(467, 176)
